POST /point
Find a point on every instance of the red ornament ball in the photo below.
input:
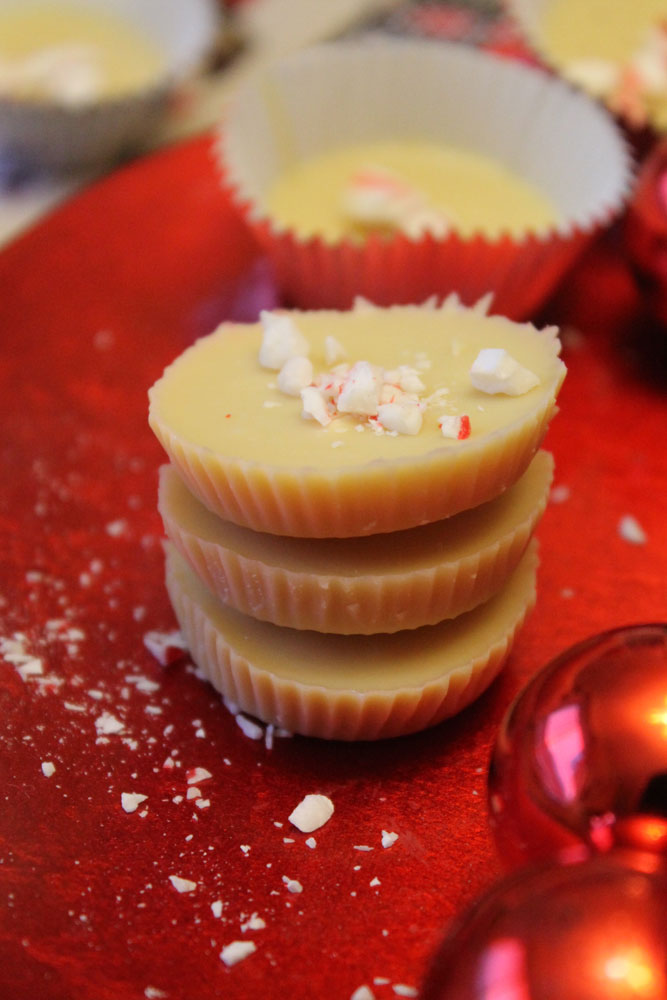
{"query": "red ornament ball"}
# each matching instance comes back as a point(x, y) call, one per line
point(594, 930)
point(583, 745)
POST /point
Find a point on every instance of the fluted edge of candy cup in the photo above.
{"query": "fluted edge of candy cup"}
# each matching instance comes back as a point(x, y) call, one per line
point(360, 604)
point(348, 715)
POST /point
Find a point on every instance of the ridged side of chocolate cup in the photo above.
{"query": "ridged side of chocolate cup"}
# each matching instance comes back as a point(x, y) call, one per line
point(307, 503)
point(363, 599)
point(358, 711)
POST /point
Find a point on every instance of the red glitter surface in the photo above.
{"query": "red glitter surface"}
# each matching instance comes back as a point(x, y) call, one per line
point(94, 302)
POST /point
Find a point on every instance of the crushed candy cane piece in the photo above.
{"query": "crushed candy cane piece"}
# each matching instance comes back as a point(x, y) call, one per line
point(631, 530)
point(401, 990)
point(406, 378)
point(48, 768)
point(281, 340)
point(389, 838)
point(166, 647)
point(401, 418)
point(457, 427)
point(311, 842)
point(249, 728)
point(295, 375)
point(193, 792)
point(254, 923)
point(217, 907)
point(315, 405)
point(560, 493)
point(375, 197)
point(236, 951)
point(182, 884)
point(363, 993)
point(131, 801)
point(360, 390)
point(494, 370)
point(311, 813)
point(292, 884)
point(106, 724)
point(196, 774)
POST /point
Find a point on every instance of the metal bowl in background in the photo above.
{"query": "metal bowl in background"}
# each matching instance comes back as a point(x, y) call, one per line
point(47, 133)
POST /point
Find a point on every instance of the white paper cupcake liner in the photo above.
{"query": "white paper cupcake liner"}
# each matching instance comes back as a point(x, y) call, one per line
point(346, 93)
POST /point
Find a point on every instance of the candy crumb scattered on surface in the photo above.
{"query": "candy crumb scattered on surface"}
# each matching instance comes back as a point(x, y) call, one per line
point(631, 530)
point(312, 813)
point(236, 951)
point(363, 993)
point(48, 768)
point(130, 801)
point(182, 884)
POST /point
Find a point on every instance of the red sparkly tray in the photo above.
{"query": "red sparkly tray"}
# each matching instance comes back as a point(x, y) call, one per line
point(94, 302)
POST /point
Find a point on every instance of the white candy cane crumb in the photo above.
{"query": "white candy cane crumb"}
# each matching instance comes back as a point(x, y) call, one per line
point(401, 990)
point(362, 847)
point(182, 884)
point(295, 375)
point(375, 881)
point(48, 768)
point(216, 907)
point(314, 405)
point(153, 993)
point(363, 993)
point(162, 645)
point(360, 390)
point(560, 493)
point(281, 340)
point(292, 884)
point(249, 728)
point(254, 923)
point(631, 530)
point(496, 371)
point(107, 723)
point(311, 842)
point(131, 801)
point(196, 774)
point(403, 418)
point(236, 951)
point(311, 813)
point(388, 838)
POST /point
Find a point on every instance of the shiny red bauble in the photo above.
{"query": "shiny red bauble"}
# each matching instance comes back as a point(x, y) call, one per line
point(583, 745)
point(592, 930)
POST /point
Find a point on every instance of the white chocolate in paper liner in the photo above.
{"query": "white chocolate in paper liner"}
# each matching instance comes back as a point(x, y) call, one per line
point(347, 93)
point(50, 135)
point(528, 16)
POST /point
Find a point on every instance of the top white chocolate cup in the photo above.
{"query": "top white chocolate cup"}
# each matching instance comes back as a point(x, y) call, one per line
point(353, 92)
point(245, 450)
